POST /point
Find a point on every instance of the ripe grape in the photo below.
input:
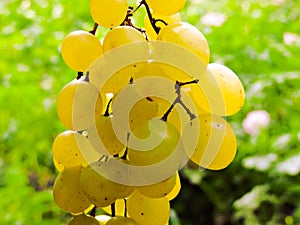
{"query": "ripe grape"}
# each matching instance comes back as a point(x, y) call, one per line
point(166, 7)
point(121, 35)
point(103, 132)
point(83, 219)
point(80, 49)
point(67, 192)
point(176, 189)
point(71, 148)
point(98, 183)
point(151, 34)
point(158, 190)
point(230, 86)
point(78, 105)
point(148, 211)
point(120, 220)
point(216, 142)
point(108, 13)
point(187, 36)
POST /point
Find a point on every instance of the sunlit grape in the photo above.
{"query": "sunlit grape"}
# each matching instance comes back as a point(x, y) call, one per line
point(166, 7)
point(108, 13)
point(79, 49)
point(83, 219)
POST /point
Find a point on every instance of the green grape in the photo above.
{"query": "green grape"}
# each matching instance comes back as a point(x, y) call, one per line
point(71, 148)
point(162, 139)
point(148, 211)
point(176, 189)
point(97, 185)
point(83, 219)
point(166, 7)
point(120, 220)
point(187, 36)
point(108, 13)
point(158, 190)
point(231, 87)
point(151, 34)
point(119, 208)
point(67, 192)
point(78, 105)
point(80, 49)
point(104, 132)
point(102, 219)
point(121, 35)
point(216, 142)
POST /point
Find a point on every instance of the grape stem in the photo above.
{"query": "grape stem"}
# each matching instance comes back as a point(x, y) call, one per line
point(178, 100)
point(93, 211)
point(125, 207)
point(113, 209)
point(93, 31)
point(106, 113)
point(153, 21)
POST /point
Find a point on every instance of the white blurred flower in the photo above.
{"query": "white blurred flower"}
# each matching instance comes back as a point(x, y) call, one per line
point(291, 38)
point(213, 19)
point(255, 121)
point(260, 163)
point(291, 166)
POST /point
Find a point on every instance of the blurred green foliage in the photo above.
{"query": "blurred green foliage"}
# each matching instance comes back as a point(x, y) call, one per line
point(260, 40)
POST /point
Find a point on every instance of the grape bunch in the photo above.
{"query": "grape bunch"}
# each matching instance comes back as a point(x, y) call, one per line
point(146, 101)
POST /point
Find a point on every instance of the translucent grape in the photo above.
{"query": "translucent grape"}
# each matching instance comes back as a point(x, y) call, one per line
point(83, 219)
point(121, 35)
point(121, 220)
point(108, 13)
point(97, 186)
point(104, 132)
point(80, 49)
point(67, 192)
point(70, 148)
point(78, 105)
point(216, 144)
point(187, 36)
point(151, 34)
point(158, 190)
point(166, 7)
point(148, 211)
point(231, 87)
point(176, 189)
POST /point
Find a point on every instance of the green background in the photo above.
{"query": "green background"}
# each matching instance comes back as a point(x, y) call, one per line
point(261, 186)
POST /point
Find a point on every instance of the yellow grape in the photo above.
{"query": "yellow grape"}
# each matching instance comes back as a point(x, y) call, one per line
point(144, 109)
point(151, 34)
point(78, 105)
point(102, 219)
point(108, 13)
point(97, 185)
point(67, 192)
point(119, 208)
point(149, 69)
point(188, 36)
point(83, 219)
point(176, 189)
point(231, 87)
point(71, 148)
point(121, 35)
point(148, 211)
point(216, 144)
point(80, 49)
point(121, 220)
point(104, 132)
point(166, 7)
point(121, 78)
point(158, 190)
